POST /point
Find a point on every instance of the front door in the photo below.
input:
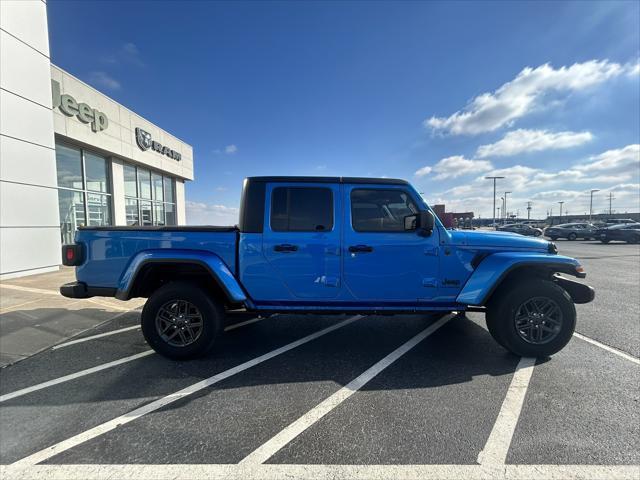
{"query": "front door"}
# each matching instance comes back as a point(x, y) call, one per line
point(301, 239)
point(382, 261)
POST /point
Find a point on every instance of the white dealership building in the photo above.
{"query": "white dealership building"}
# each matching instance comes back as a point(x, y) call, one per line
point(70, 155)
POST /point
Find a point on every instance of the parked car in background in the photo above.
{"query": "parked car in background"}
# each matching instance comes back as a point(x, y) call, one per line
point(522, 229)
point(619, 221)
point(624, 232)
point(572, 231)
point(534, 223)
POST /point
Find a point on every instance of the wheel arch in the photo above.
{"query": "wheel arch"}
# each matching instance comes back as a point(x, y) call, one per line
point(151, 269)
point(501, 269)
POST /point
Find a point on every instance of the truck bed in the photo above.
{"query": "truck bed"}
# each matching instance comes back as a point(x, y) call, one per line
point(108, 250)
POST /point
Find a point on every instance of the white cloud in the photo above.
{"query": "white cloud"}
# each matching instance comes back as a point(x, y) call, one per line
point(421, 172)
point(199, 213)
point(230, 149)
point(489, 111)
point(611, 171)
point(613, 160)
point(522, 141)
point(103, 80)
point(128, 53)
point(457, 165)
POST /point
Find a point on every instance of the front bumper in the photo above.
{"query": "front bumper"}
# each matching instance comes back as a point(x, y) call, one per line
point(579, 292)
point(81, 290)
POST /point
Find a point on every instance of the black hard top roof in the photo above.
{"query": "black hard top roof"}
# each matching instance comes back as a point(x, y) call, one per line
point(384, 181)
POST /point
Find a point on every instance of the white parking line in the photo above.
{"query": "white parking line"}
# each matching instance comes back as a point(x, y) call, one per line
point(137, 327)
point(620, 353)
point(93, 337)
point(73, 376)
point(319, 472)
point(497, 446)
point(269, 448)
point(30, 289)
point(103, 428)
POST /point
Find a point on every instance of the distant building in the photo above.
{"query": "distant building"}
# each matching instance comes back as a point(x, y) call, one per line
point(453, 219)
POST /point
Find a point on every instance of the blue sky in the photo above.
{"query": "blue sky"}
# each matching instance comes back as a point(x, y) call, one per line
point(440, 93)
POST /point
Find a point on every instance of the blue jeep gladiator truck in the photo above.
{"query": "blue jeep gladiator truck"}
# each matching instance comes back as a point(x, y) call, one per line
point(329, 245)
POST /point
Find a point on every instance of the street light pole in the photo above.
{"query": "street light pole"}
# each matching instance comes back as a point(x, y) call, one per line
point(529, 210)
point(560, 210)
point(505, 205)
point(591, 203)
point(494, 197)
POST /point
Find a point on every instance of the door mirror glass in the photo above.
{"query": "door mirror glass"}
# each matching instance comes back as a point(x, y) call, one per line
point(410, 222)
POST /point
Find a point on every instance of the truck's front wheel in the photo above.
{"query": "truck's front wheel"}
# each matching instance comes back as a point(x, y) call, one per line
point(181, 321)
point(533, 319)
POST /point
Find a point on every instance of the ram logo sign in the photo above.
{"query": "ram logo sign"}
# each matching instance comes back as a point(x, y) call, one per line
point(145, 142)
point(143, 139)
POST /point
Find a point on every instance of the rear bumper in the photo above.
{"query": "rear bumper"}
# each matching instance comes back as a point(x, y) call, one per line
point(579, 292)
point(81, 290)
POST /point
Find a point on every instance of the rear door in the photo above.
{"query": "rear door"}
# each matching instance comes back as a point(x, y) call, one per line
point(301, 239)
point(382, 261)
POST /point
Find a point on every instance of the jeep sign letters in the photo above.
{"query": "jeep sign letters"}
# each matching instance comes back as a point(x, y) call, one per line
point(84, 112)
point(145, 142)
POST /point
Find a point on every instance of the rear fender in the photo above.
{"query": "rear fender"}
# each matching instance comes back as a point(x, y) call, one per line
point(494, 268)
point(210, 261)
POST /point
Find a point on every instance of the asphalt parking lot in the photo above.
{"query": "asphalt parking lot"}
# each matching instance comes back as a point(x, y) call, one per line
point(332, 397)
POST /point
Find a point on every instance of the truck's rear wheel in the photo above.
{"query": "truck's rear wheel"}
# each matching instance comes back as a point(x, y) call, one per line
point(533, 319)
point(181, 321)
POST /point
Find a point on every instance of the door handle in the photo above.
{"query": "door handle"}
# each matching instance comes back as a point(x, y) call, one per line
point(286, 247)
point(360, 248)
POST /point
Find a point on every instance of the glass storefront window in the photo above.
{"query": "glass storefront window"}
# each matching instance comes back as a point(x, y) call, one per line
point(145, 213)
point(132, 212)
point(144, 183)
point(150, 197)
point(130, 183)
point(80, 175)
point(96, 172)
point(169, 190)
point(170, 213)
point(156, 180)
point(69, 166)
point(158, 214)
point(72, 216)
point(98, 209)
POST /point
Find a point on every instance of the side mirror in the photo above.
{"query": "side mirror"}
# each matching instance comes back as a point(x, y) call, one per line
point(423, 222)
point(426, 222)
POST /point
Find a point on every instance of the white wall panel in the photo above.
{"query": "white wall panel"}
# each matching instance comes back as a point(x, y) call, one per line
point(25, 120)
point(26, 20)
point(117, 176)
point(23, 70)
point(28, 206)
point(27, 163)
point(24, 249)
point(181, 211)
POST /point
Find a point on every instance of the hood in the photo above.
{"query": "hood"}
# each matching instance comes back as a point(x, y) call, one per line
point(506, 240)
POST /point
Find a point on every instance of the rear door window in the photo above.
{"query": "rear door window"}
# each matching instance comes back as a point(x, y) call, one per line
point(301, 209)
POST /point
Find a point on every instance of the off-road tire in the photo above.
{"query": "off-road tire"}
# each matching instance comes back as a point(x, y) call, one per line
point(210, 310)
point(501, 316)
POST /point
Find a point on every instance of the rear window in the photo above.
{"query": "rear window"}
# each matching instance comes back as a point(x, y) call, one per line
point(301, 209)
